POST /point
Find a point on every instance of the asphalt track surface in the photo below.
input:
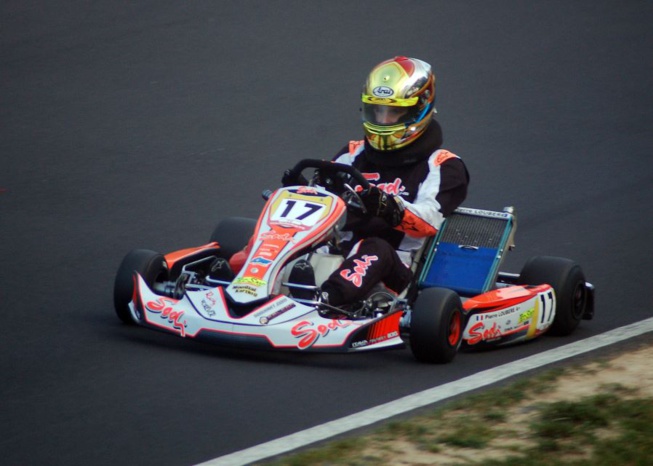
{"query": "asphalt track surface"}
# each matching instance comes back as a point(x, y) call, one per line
point(141, 123)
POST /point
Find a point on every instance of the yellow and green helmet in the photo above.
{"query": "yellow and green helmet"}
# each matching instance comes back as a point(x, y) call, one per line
point(398, 102)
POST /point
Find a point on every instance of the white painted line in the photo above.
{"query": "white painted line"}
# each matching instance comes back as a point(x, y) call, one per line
point(427, 397)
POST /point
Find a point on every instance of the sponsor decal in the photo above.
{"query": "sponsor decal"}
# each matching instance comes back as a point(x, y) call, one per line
point(291, 223)
point(260, 260)
point(306, 190)
point(246, 289)
point(250, 281)
point(268, 251)
point(162, 306)
point(307, 333)
point(370, 99)
point(274, 236)
point(208, 308)
point(379, 339)
point(371, 177)
point(526, 316)
point(443, 156)
point(209, 302)
point(360, 270)
point(479, 333)
point(382, 91)
point(210, 297)
point(266, 319)
point(495, 315)
point(302, 266)
point(484, 213)
point(395, 188)
point(274, 306)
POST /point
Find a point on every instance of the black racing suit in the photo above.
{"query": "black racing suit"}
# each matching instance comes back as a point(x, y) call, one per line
point(429, 181)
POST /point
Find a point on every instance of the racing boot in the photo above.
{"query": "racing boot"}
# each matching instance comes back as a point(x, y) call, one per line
point(302, 274)
point(220, 270)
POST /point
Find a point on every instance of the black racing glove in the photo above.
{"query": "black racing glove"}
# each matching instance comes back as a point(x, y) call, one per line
point(291, 178)
point(383, 205)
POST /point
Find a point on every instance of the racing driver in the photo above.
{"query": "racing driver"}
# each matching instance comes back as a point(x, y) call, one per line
point(415, 182)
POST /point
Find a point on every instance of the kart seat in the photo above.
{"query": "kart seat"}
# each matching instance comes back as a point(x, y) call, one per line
point(313, 269)
point(466, 253)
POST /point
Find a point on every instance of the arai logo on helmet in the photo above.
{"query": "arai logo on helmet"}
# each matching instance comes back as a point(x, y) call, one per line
point(382, 91)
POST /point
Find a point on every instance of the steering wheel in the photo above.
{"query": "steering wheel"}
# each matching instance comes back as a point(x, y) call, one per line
point(336, 178)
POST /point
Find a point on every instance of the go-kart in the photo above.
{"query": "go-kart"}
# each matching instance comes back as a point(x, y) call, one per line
point(270, 297)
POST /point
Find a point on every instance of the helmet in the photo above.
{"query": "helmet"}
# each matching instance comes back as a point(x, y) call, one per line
point(398, 99)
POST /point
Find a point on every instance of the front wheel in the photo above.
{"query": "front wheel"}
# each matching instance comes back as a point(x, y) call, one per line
point(568, 281)
point(436, 326)
point(148, 264)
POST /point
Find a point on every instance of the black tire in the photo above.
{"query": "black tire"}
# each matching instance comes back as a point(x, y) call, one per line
point(232, 234)
point(436, 326)
point(568, 281)
point(150, 265)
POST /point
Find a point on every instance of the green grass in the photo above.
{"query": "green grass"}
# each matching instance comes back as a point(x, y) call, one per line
point(612, 427)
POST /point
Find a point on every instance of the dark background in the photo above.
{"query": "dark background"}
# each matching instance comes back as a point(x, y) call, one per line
point(129, 124)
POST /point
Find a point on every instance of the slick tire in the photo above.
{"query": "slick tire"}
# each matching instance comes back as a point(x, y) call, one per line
point(568, 281)
point(232, 234)
point(150, 265)
point(436, 326)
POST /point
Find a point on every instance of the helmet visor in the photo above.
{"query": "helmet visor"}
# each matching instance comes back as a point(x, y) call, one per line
point(390, 112)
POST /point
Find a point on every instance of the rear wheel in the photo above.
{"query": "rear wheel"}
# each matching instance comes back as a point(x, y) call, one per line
point(232, 234)
point(150, 265)
point(436, 326)
point(568, 281)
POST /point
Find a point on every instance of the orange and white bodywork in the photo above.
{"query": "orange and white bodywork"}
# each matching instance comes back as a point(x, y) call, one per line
point(509, 315)
point(292, 221)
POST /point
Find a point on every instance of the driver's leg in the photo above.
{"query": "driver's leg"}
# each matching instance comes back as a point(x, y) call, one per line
point(373, 260)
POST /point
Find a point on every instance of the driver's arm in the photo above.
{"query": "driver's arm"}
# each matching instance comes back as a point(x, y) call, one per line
point(443, 190)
